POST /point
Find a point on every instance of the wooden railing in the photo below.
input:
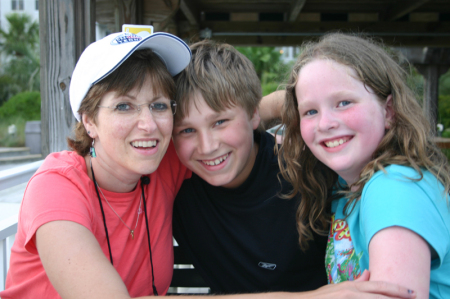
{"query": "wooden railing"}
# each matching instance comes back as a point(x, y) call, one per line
point(8, 227)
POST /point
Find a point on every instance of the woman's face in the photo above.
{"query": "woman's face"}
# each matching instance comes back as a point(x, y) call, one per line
point(131, 144)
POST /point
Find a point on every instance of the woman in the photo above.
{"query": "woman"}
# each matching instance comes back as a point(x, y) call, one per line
point(99, 217)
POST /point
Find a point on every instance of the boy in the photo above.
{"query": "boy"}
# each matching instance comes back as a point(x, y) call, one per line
point(229, 216)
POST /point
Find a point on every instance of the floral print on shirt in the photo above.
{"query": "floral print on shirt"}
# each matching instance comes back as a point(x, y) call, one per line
point(340, 259)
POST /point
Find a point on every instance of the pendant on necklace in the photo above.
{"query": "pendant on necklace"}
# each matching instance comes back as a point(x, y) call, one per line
point(132, 234)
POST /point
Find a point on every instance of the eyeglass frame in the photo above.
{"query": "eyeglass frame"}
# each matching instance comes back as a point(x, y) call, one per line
point(173, 107)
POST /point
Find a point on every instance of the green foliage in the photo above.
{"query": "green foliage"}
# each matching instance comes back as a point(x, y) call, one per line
point(444, 84)
point(22, 38)
point(20, 49)
point(269, 88)
point(17, 140)
point(268, 66)
point(25, 104)
point(444, 111)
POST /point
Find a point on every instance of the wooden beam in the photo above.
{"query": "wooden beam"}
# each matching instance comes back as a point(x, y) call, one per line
point(399, 10)
point(296, 8)
point(435, 34)
point(66, 27)
point(190, 12)
point(317, 28)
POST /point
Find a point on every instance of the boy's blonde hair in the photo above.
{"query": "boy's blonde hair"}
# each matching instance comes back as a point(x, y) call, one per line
point(408, 141)
point(221, 75)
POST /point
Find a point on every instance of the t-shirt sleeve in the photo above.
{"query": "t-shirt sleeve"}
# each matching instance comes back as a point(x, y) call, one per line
point(172, 170)
point(391, 199)
point(50, 197)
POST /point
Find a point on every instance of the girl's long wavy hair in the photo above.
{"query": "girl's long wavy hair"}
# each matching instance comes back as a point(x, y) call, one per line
point(408, 142)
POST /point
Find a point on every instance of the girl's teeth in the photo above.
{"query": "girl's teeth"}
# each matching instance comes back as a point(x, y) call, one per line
point(335, 143)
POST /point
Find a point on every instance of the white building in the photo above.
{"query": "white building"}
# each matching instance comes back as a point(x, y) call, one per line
point(30, 7)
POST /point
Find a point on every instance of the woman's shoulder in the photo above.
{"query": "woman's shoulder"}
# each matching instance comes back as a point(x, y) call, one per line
point(65, 163)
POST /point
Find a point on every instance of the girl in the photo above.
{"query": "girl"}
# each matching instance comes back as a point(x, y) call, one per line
point(353, 124)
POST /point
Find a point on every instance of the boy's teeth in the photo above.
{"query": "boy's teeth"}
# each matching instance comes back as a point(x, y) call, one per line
point(336, 142)
point(144, 143)
point(216, 162)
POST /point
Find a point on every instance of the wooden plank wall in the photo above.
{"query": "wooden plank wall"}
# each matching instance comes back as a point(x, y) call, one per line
point(66, 28)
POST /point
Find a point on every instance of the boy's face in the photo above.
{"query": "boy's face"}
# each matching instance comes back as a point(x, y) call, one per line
point(217, 146)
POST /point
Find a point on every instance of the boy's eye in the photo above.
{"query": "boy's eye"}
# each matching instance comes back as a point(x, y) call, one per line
point(343, 103)
point(124, 107)
point(187, 131)
point(311, 112)
point(159, 107)
point(219, 122)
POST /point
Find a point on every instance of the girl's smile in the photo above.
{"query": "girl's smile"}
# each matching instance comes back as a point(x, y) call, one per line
point(341, 120)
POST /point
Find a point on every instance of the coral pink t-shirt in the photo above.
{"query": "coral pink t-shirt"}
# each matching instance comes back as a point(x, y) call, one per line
point(62, 190)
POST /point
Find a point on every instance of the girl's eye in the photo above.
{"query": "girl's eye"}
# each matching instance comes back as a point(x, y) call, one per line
point(311, 112)
point(219, 122)
point(343, 103)
point(124, 107)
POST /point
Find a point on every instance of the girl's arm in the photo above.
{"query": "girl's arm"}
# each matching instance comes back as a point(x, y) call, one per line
point(400, 256)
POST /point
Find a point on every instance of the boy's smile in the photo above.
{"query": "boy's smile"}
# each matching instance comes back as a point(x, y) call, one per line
point(217, 146)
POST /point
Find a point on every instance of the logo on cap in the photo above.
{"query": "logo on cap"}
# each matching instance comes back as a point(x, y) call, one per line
point(126, 38)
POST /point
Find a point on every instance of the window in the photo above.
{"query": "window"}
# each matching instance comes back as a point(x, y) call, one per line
point(37, 5)
point(17, 4)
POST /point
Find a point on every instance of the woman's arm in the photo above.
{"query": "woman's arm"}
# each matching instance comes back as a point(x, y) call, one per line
point(78, 268)
point(400, 256)
point(75, 263)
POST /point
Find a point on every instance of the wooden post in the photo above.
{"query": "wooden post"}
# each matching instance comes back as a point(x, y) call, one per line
point(431, 63)
point(66, 27)
point(430, 94)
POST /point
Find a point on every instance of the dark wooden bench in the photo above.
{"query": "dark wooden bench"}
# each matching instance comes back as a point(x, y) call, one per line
point(184, 275)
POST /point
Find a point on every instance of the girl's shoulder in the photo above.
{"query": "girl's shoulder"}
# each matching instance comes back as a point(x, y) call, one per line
point(397, 181)
point(399, 174)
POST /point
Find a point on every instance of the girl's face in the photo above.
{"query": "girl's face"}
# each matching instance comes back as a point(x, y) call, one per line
point(341, 120)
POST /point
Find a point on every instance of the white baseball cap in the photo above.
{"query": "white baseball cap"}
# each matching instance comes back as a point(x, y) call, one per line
point(102, 57)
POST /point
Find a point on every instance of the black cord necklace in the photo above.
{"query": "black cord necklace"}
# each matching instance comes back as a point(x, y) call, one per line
point(144, 181)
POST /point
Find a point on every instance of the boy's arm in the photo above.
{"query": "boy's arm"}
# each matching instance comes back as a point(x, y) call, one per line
point(270, 108)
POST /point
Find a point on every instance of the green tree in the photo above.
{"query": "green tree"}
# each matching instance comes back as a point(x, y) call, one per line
point(20, 48)
point(268, 66)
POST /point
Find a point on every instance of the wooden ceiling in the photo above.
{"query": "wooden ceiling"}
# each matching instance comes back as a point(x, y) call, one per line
point(285, 22)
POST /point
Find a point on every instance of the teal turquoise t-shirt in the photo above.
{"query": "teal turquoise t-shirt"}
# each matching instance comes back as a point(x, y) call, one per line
point(392, 199)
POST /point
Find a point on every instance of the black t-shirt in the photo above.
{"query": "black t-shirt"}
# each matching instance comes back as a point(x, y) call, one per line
point(245, 240)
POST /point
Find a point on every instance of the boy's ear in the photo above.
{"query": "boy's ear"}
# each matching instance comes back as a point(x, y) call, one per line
point(89, 125)
point(256, 119)
point(389, 113)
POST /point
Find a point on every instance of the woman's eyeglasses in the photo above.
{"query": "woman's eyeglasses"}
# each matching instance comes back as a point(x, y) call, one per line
point(159, 109)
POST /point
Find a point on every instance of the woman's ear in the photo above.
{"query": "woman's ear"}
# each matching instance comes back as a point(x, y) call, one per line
point(389, 113)
point(89, 125)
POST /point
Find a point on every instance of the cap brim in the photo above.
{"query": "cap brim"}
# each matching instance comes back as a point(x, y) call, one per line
point(175, 53)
